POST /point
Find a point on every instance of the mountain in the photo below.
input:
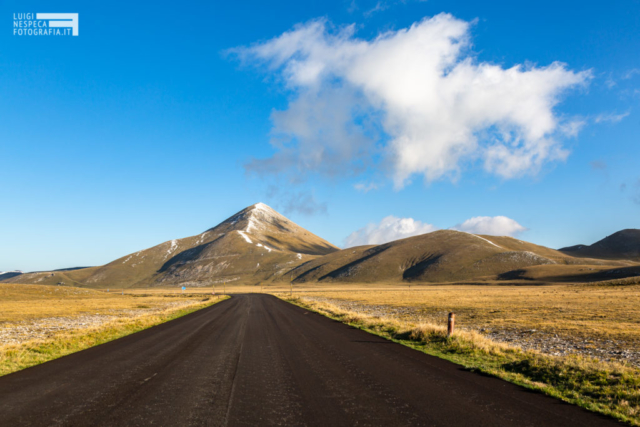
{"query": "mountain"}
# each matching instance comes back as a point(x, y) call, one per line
point(259, 245)
point(254, 245)
point(445, 256)
point(624, 244)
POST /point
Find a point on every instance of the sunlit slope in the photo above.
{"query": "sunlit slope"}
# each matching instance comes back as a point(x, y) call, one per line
point(255, 244)
point(441, 256)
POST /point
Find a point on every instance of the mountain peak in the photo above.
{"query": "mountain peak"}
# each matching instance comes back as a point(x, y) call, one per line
point(260, 215)
point(261, 224)
point(257, 218)
point(252, 245)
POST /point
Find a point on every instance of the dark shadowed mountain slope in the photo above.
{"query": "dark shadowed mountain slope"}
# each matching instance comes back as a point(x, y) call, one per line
point(624, 244)
point(9, 274)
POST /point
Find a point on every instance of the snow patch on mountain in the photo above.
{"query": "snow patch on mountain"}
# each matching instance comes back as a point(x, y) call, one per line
point(248, 240)
point(475, 235)
point(172, 248)
point(201, 238)
point(488, 241)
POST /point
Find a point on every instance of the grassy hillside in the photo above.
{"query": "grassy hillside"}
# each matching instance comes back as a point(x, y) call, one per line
point(254, 245)
point(445, 256)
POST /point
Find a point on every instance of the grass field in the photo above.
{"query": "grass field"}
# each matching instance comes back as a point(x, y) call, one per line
point(40, 323)
point(584, 317)
point(417, 319)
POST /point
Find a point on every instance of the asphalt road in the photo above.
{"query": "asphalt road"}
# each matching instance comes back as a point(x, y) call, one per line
point(254, 360)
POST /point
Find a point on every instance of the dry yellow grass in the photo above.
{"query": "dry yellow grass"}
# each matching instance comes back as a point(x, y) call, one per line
point(586, 311)
point(20, 302)
point(40, 323)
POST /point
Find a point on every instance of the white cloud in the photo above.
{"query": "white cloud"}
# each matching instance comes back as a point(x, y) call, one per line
point(412, 101)
point(389, 229)
point(631, 73)
point(610, 117)
point(364, 187)
point(301, 202)
point(495, 226)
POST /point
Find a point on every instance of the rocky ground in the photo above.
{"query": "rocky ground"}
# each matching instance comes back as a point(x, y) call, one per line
point(527, 339)
point(38, 329)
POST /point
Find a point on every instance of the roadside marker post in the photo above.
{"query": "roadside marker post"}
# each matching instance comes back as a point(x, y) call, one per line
point(451, 324)
point(183, 289)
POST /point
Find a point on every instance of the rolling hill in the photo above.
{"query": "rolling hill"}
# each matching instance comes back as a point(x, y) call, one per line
point(624, 244)
point(443, 256)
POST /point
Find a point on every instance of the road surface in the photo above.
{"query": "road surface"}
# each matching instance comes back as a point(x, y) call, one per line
point(255, 360)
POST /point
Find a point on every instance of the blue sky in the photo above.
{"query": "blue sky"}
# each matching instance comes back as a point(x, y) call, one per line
point(140, 129)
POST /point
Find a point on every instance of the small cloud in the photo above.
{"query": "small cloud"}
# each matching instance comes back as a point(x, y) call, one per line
point(379, 7)
point(610, 83)
point(300, 202)
point(389, 229)
point(610, 117)
point(598, 165)
point(495, 226)
point(572, 128)
point(365, 188)
point(631, 73)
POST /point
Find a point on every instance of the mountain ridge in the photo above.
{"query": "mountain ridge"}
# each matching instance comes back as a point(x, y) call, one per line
point(258, 244)
point(623, 244)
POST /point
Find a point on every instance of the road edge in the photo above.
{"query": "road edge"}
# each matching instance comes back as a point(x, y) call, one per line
point(485, 365)
point(14, 358)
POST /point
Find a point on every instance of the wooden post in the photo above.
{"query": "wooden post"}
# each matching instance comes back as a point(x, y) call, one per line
point(451, 324)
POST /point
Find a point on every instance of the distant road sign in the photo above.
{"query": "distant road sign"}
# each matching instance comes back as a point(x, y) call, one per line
point(184, 288)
